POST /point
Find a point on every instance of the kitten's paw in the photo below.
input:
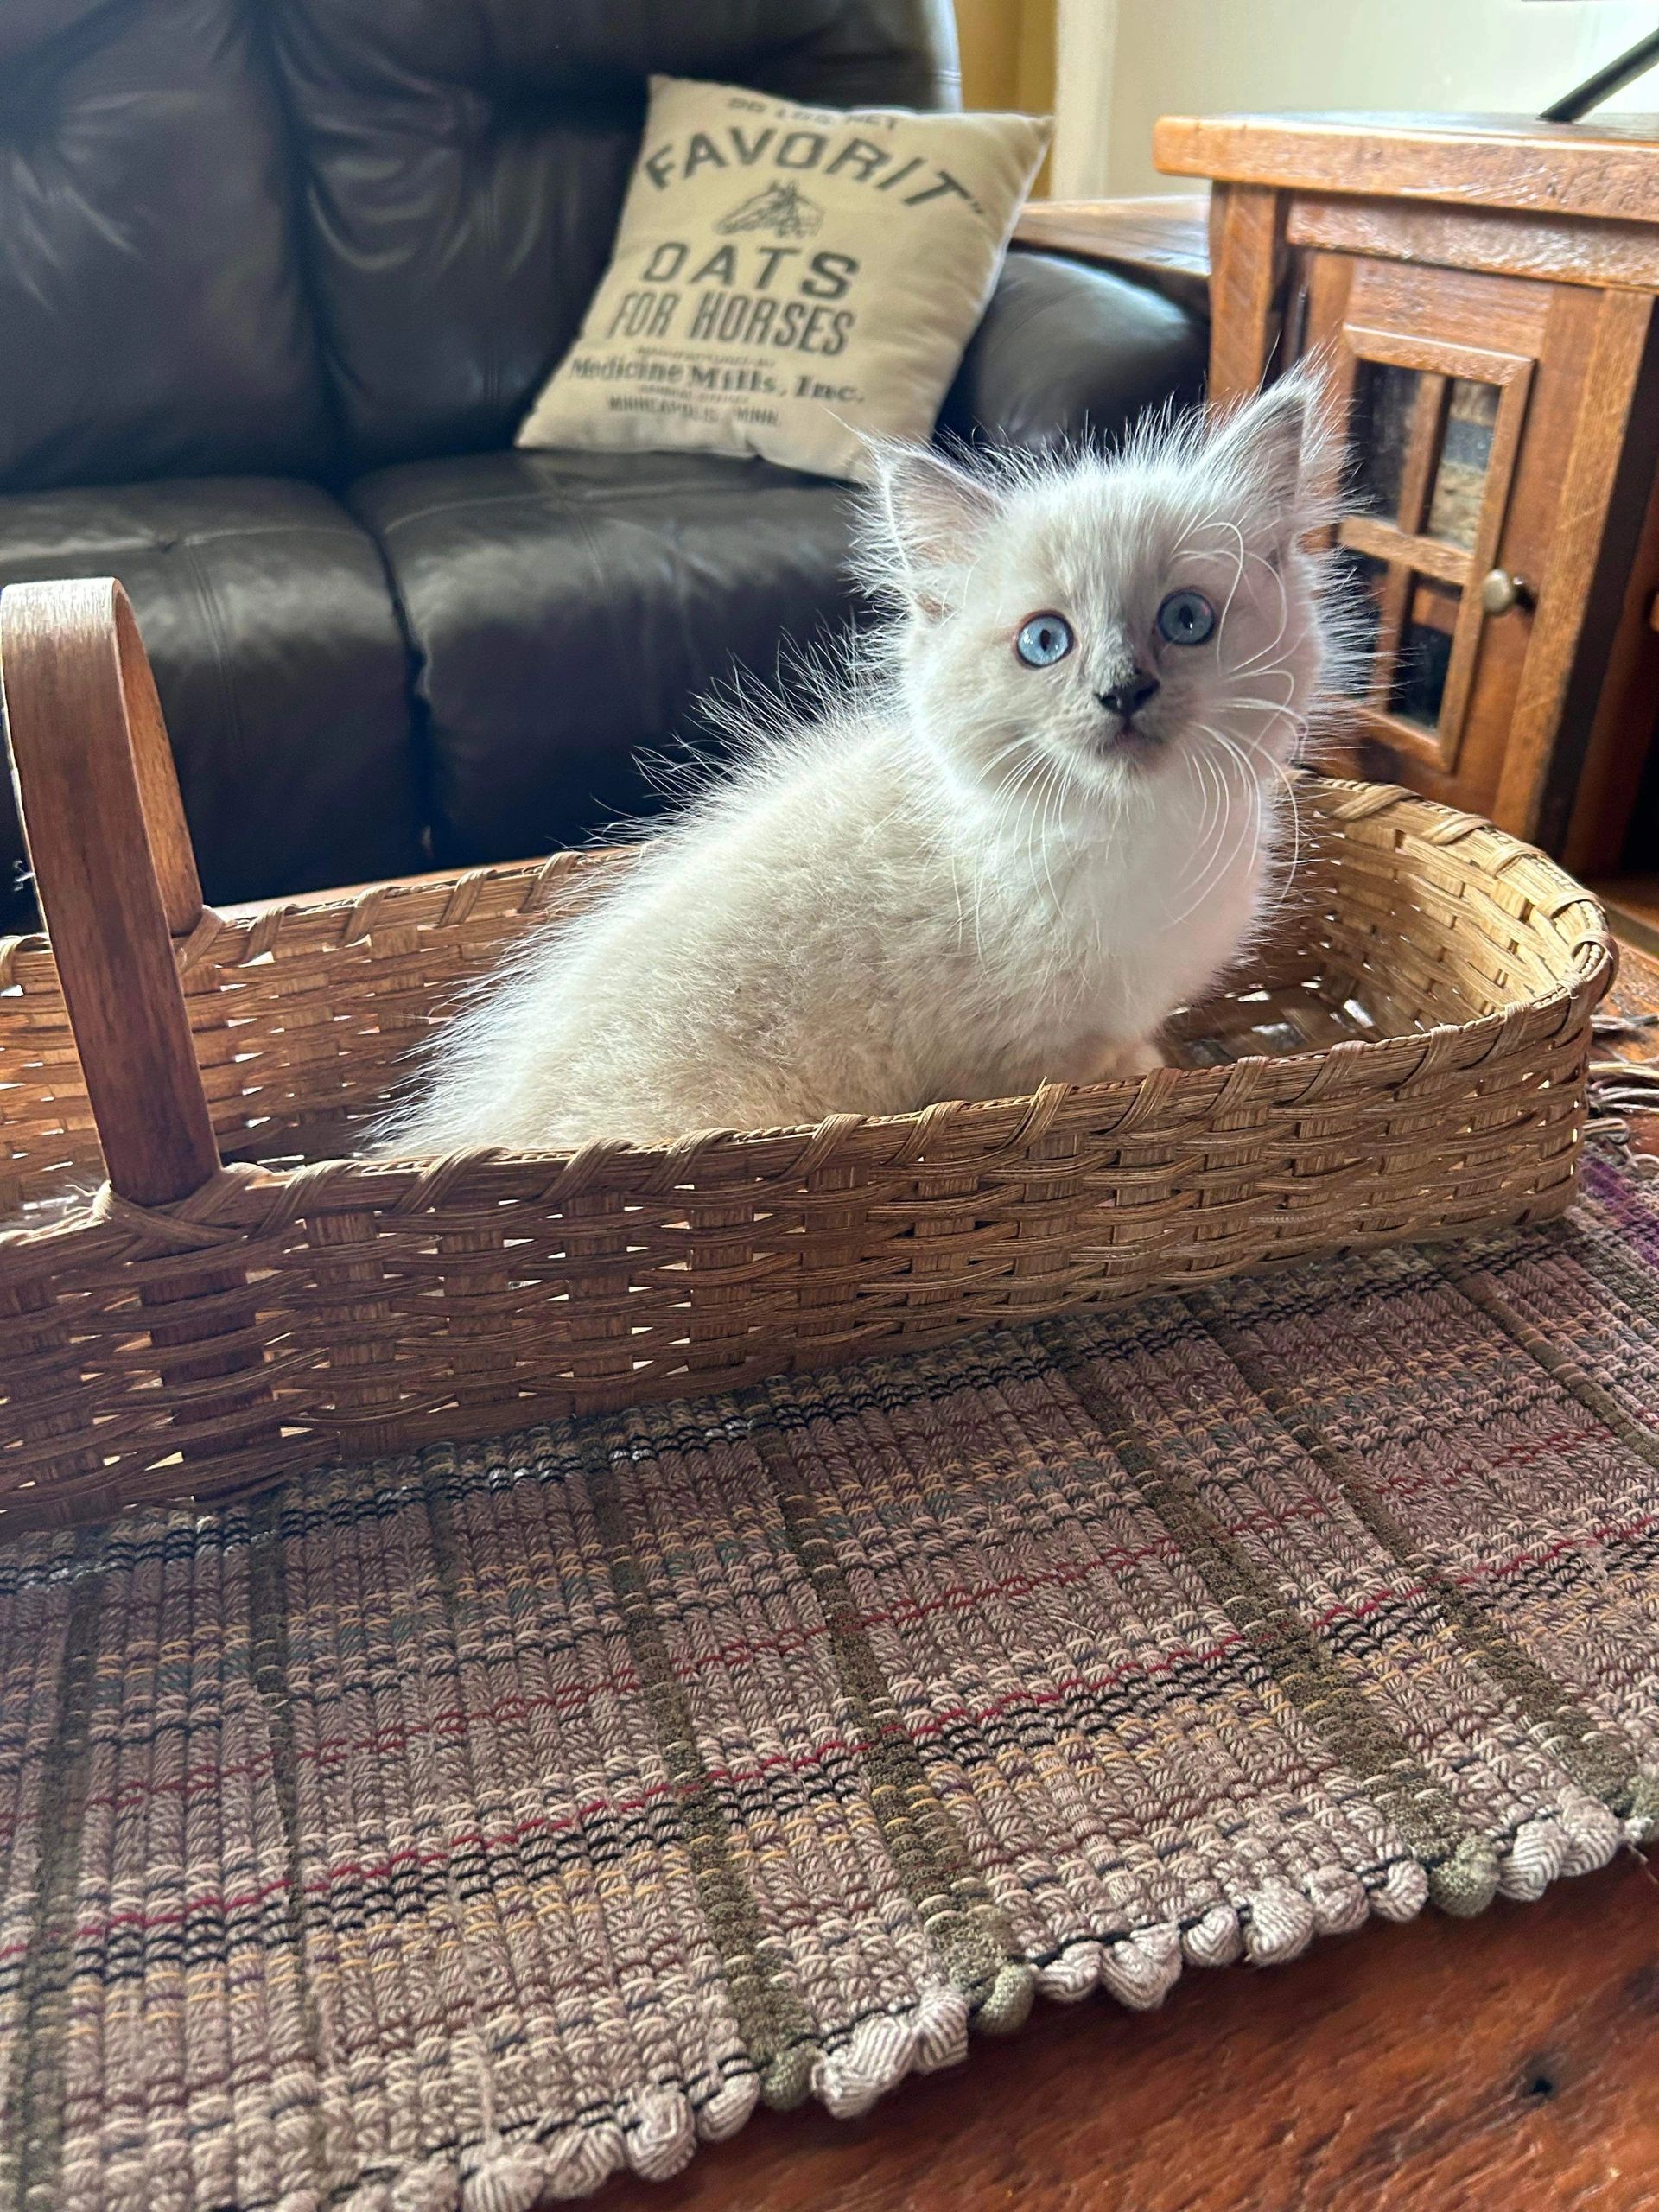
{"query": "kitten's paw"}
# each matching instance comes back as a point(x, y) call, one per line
point(1123, 1061)
point(1098, 1061)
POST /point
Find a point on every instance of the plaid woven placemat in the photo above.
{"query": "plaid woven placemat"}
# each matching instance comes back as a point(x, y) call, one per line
point(456, 1832)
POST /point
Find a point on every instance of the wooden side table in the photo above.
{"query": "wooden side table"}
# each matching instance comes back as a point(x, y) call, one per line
point(1483, 290)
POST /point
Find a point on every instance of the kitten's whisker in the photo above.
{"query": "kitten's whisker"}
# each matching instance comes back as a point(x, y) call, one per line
point(1273, 714)
point(1284, 776)
point(1038, 839)
point(1215, 802)
point(1289, 788)
point(1024, 781)
point(956, 893)
point(1023, 797)
point(1278, 672)
point(1295, 812)
point(1215, 813)
point(1053, 788)
point(987, 849)
point(1245, 667)
point(1214, 854)
point(1021, 744)
point(1011, 802)
point(1258, 816)
point(1210, 519)
point(1200, 553)
point(1215, 863)
point(1295, 715)
point(1238, 578)
point(1235, 751)
point(1196, 762)
point(1274, 709)
point(1212, 875)
point(1274, 675)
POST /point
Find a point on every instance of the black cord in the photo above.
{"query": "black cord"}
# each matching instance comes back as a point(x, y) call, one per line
point(1605, 82)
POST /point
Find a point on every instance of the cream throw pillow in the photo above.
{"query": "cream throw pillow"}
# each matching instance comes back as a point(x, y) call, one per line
point(784, 277)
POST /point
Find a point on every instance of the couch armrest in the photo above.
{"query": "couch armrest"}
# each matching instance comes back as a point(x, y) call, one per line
point(1065, 350)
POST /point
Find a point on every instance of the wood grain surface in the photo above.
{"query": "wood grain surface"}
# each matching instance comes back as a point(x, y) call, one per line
point(1247, 274)
point(1585, 168)
point(1554, 249)
point(110, 851)
point(1506, 2065)
point(1162, 240)
point(1589, 560)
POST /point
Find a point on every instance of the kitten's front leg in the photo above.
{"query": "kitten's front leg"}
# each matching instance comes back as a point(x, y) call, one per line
point(1098, 1059)
point(1138, 1058)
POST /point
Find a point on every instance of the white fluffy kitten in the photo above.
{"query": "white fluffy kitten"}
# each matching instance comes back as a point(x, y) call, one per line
point(1041, 819)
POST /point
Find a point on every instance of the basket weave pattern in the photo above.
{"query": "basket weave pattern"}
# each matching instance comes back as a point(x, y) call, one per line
point(1412, 1065)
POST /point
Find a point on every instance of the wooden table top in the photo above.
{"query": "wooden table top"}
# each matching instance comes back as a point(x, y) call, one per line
point(1162, 240)
point(1504, 2065)
point(1602, 169)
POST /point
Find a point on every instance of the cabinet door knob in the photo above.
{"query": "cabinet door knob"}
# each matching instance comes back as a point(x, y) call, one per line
point(1500, 591)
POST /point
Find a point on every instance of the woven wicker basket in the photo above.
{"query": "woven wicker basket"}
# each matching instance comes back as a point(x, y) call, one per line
point(238, 1300)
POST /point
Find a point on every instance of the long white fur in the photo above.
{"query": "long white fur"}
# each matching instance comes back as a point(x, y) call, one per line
point(951, 880)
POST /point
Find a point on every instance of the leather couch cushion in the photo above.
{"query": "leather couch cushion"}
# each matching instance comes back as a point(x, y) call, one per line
point(152, 316)
point(566, 609)
point(464, 162)
point(1065, 351)
point(280, 663)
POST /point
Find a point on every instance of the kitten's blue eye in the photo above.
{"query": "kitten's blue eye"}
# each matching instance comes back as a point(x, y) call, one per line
point(1044, 639)
point(1185, 617)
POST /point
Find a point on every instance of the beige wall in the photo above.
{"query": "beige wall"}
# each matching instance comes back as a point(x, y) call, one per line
point(1008, 54)
point(1008, 58)
point(1122, 63)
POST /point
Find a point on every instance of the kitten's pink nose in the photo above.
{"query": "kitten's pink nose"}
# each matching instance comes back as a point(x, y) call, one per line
point(1127, 698)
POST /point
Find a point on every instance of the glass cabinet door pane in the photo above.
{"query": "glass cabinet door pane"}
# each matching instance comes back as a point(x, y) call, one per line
point(1425, 654)
point(1465, 451)
point(1385, 400)
point(1359, 581)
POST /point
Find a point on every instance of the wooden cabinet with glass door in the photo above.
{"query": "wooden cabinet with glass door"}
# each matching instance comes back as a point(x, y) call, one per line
point(1483, 293)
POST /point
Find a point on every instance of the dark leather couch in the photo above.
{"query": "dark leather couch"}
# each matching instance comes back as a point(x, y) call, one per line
point(278, 279)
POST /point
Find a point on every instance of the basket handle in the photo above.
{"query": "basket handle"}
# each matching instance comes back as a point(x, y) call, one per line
point(111, 858)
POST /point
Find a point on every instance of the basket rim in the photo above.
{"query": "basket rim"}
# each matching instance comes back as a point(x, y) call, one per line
point(245, 1198)
point(242, 931)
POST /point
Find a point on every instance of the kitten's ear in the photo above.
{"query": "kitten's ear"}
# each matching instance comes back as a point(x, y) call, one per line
point(1275, 446)
point(1263, 440)
point(924, 520)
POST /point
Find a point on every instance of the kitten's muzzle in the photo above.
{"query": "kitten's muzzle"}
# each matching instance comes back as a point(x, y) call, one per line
point(1126, 700)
